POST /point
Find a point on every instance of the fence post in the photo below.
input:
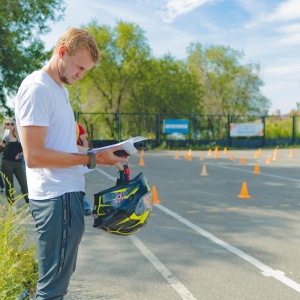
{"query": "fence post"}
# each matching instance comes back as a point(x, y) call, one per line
point(294, 130)
point(229, 141)
point(157, 129)
point(196, 129)
point(263, 120)
point(118, 115)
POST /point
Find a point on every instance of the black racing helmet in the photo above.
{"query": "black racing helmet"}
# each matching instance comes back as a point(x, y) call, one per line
point(123, 209)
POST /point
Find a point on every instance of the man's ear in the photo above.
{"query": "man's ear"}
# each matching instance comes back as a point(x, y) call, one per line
point(62, 51)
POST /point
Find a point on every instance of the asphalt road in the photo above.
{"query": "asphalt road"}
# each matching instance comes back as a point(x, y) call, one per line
point(201, 241)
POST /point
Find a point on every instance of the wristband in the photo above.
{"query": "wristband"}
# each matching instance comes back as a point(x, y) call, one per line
point(92, 164)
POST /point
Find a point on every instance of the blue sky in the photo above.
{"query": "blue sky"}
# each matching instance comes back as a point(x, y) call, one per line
point(267, 31)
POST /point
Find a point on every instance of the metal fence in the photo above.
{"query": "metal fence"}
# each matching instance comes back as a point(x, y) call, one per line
point(204, 130)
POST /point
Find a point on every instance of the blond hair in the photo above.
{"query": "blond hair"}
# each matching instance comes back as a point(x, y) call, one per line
point(77, 39)
point(15, 131)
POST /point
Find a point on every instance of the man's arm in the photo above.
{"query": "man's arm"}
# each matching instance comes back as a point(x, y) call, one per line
point(84, 140)
point(38, 156)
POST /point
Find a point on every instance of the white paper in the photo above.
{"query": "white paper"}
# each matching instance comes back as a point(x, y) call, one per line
point(125, 145)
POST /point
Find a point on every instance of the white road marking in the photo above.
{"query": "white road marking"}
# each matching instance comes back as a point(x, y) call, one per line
point(105, 174)
point(248, 171)
point(183, 292)
point(173, 281)
point(266, 270)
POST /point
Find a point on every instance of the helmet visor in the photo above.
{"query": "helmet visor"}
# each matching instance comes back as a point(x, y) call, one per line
point(145, 204)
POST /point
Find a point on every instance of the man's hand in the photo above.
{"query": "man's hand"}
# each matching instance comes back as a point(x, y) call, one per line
point(107, 157)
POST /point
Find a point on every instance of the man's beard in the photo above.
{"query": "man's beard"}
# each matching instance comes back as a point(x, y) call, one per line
point(62, 77)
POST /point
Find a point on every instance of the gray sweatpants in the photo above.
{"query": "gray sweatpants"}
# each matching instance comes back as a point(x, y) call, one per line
point(60, 226)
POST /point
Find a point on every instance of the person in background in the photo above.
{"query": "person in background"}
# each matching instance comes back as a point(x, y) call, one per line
point(11, 161)
point(82, 140)
point(45, 121)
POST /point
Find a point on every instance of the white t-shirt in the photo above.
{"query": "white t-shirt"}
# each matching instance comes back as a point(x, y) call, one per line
point(41, 102)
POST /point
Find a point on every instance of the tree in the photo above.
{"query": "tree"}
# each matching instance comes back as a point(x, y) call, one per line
point(21, 49)
point(105, 88)
point(166, 86)
point(130, 80)
point(230, 87)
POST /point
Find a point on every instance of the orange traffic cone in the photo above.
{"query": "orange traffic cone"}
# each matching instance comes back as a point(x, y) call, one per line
point(243, 160)
point(256, 169)
point(216, 154)
point(141, 161)
point(176, 156)
point(225, 150)
point(244, 192)
point(142, 152)
point(291, 154)
point(201, 157)
point(209, 152)
point(154, 196)
point(268, 160)
point(231, 157)
point(204, 172)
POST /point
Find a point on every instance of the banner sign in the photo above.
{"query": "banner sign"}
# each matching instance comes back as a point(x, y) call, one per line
point(246, 129)
point(176, 125)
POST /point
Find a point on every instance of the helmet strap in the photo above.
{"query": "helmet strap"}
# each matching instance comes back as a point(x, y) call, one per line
point(124, 175)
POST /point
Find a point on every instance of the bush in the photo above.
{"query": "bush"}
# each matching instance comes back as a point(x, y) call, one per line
point(18, 265)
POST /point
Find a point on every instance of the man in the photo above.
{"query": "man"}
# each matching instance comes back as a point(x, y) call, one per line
point(55, 181)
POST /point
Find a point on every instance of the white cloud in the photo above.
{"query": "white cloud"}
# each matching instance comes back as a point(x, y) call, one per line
point(291, 70)
point(290, 34)
point(175, 8)
point(252, 7)
point(290, 40)
point(286, 11)
point(293, 28)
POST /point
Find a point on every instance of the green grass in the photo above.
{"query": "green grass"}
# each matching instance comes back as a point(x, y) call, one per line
point(18, 265)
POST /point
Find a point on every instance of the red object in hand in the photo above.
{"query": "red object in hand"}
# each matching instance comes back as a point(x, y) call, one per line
point(127, 172)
